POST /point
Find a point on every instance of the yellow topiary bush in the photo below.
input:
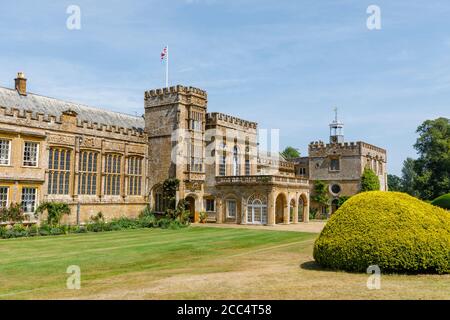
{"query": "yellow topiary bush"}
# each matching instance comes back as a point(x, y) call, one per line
point(393, 230)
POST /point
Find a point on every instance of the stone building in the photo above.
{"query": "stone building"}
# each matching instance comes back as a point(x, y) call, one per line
point(215, 158)
point(340, 165)
point(101, 161)
point(53, 150)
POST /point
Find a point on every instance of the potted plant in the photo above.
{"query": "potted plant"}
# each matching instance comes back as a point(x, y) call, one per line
point(203, 216)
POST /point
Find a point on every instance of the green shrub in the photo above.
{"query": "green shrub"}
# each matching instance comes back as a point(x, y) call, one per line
point(44, 229)
point(10, 233)
point(369, 181)
point(125, 223)
point(148, 221)
point(98, 217)
point(55, 211)
point(19, 230)
point(78, 229)
point(3, 230)
point(442, 201)
point(203, 216)
point(393, 230)
point(99, 226)
point(54, 231)
point(146, 212)
point(33, 230)
point(312, 213)
point(164, 223)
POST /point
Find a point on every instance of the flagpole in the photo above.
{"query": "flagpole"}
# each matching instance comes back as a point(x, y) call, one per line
point(167, 67)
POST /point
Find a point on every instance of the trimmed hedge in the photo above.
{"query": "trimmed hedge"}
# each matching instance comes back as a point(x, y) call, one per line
point(393, 230)
point(442, 201)
point(145, 220)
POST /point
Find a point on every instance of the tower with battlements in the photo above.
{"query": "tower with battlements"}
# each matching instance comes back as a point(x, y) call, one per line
point(175, 121)
point(341, 164)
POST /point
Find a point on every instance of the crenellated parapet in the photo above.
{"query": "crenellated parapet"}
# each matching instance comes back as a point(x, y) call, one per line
point(216, 117)
point(179, 89)
point(67, 121)
point(320, 145)
point(359, 148)
point(320, 149)
point(179, 94)
point(372, 148)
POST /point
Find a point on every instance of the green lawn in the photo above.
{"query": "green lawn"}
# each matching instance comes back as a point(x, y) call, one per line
point(35, 267)
point(192, 263)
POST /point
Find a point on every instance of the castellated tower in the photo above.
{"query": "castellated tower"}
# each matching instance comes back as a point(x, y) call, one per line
point(175, 123)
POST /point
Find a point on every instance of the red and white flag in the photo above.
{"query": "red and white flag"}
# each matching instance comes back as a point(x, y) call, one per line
point(163, 53)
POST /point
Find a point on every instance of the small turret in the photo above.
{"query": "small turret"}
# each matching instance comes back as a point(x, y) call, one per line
point(336, 129)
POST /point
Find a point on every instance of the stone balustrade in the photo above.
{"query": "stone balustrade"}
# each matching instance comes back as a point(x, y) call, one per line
point(261, 179)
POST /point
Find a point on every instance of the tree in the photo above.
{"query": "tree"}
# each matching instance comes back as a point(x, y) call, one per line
point(320, 193)
point(409, 177)
point(433, 165)
point(395, 183)
point(290, 153)
point(369, 181)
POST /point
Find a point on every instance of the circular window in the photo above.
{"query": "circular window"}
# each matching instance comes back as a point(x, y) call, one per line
point(335, 188)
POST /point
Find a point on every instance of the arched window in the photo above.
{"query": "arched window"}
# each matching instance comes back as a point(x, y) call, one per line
point(257, 209)
point(222, 164)
point(236, 164)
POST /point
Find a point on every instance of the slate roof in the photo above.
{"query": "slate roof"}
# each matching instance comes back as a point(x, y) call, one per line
point(10, 98)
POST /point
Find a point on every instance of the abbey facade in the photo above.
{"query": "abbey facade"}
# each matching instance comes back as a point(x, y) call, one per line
point(102, 161)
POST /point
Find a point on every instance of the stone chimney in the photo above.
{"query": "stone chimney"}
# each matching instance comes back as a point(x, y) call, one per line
point(21, 84)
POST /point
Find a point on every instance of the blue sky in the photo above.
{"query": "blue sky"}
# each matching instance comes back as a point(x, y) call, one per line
point(283, 64)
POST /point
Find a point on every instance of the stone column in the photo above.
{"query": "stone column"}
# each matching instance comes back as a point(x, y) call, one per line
point(296, 210)
point(306, 211)
point(271, 210)
point(243, 211)
point(286, 212)
point(219, 210)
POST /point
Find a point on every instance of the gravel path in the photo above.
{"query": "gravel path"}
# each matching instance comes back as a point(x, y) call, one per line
point(312, 226)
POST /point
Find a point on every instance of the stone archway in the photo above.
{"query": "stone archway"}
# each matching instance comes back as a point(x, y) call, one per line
point(334, 205)
point(190, 205)
point(303, 211)
point(280, 208)
point(158, 203)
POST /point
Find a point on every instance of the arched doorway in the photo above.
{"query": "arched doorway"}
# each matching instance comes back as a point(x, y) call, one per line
point(190, 205)
point(302, 208)
point(159, 202)
point(257, 209)
point(280, 205)
point(334, 205)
